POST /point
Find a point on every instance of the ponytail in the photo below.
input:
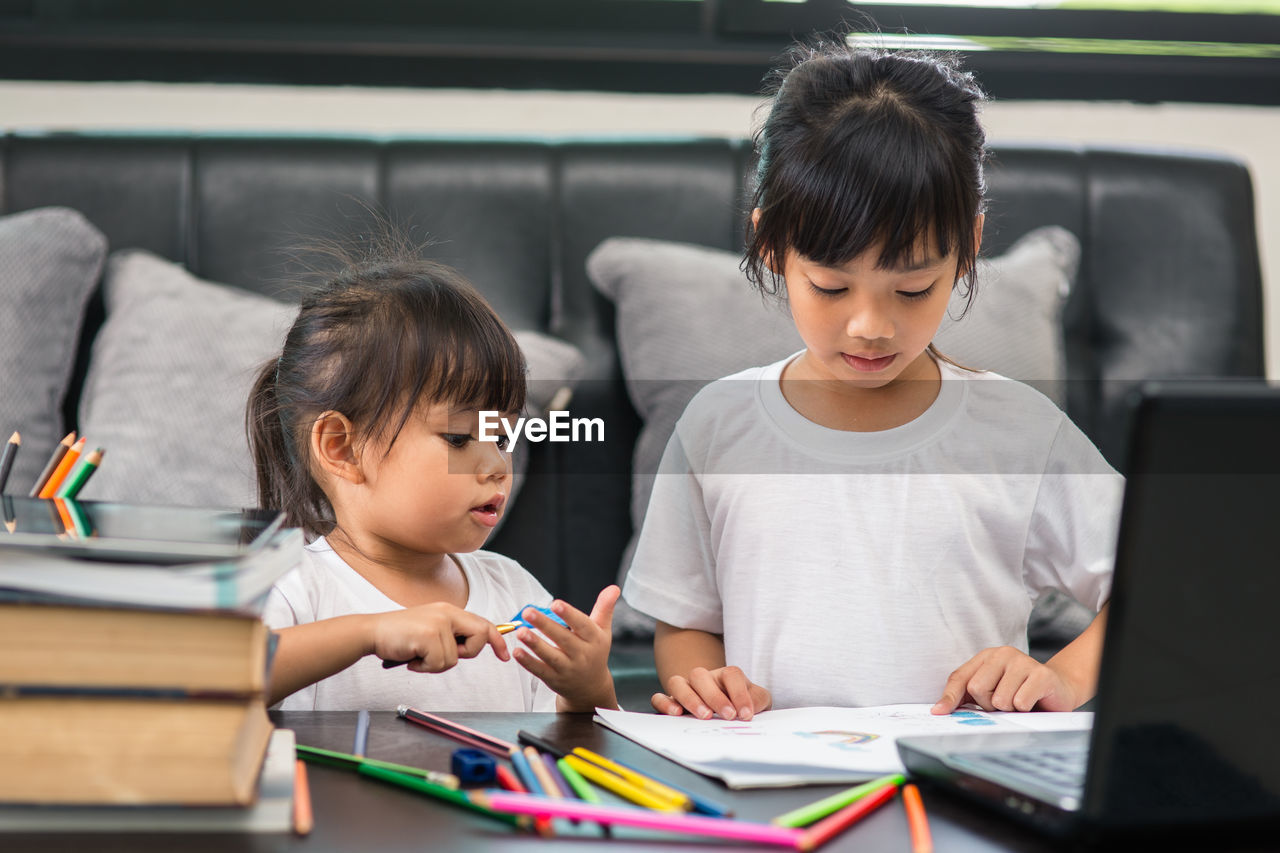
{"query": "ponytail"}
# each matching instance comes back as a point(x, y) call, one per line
point(280, 468)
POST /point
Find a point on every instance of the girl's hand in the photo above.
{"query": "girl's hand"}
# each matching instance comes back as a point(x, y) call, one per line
point(726, 690)
point(432, 637)
point(1005, 679)
point(575, 663)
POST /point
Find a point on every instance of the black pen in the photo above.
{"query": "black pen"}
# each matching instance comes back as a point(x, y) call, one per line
point(539, 744)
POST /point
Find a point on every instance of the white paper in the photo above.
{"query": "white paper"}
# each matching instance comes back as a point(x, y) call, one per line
point(808, 746)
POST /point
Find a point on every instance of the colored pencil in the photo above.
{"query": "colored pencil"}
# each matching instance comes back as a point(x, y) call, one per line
point(342, 759)
point(815, 811)
point(638, 779)
point(361, 745)
point(59, 474)
point(439, 792)
point(75, 481)
point(69, 525)
point(507, 780)
point(553, 770)
point(548, 785)
point(829, 827)
point(302, 817)
point(470, 736)
point(700, 804)
point(685, 824)
point(10, 517)
point(10, 454)
point(525, 772)
point(59, 451)
point(84, 529)
point(921, 838)
point(581, 787)
point(617, 785)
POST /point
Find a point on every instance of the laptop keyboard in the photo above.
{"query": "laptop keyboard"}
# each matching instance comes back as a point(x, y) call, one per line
point(1059, 768)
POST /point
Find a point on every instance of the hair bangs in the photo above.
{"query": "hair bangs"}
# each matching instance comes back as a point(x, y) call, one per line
point(853, 199)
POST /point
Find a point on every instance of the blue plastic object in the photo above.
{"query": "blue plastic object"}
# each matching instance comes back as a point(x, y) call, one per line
point(472, 766)
point(520, 623)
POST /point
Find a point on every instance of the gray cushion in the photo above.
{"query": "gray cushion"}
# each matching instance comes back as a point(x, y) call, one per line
point(686, 315)
point(1015, 325)
point(171, 373)
point(168, 382)
point(50, 261)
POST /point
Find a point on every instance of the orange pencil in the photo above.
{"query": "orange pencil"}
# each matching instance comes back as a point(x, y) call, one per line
point(58, 452)
point(64, 515)
point(921, 839)
point(302, 819)
point(64, 467)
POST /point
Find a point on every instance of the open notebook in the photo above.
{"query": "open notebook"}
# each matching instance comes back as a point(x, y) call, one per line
point(812, 746)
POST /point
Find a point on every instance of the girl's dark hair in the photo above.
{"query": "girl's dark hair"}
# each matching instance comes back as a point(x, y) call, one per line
point(864, 148)
point(373, 343)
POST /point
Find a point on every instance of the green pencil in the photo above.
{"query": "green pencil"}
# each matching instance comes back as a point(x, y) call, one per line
point(580, 786)
point(439, 792)
point(352, 762)
point(806, 815)
point(76, 479)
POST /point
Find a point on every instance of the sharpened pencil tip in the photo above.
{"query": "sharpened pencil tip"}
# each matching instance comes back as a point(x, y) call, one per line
point(16, 438)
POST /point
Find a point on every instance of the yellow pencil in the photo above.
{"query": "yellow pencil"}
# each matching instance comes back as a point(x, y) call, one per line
point(620, 786)
point(639, 779)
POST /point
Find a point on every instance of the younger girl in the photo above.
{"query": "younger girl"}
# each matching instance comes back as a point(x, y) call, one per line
point(865, 522)
point(364, 432)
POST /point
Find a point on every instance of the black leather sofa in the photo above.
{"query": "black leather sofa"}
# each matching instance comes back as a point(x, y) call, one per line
point(1169, 282)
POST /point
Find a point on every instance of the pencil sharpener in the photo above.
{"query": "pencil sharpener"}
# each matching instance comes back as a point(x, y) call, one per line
point(473, 766)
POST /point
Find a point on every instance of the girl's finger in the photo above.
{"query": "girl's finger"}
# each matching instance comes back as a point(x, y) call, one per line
point(664, 704)
point(684, 694)
point(953, 692)
point(602, 612)
point(708, 688)
point(538, 668)
point(1031, 692)
point(557, 633)
point(1013, 680)
point(556, 658)
point(738, 689)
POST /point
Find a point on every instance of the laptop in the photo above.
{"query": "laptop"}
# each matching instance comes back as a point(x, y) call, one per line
point(1186, 731)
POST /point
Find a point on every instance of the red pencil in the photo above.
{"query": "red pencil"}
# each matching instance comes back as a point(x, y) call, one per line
point(457, 731)
point(508, 781)
point(829, 827)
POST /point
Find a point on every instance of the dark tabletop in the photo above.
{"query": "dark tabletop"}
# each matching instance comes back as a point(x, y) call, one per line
point(353, 813)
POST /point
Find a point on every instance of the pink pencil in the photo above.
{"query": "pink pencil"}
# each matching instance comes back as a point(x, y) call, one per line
point(761, 833)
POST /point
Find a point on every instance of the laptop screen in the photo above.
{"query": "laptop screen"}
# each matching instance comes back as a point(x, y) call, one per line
point(1189, 691)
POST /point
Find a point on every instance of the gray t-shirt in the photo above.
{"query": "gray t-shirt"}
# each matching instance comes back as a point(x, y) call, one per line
point(324, 586)
point(861, 568)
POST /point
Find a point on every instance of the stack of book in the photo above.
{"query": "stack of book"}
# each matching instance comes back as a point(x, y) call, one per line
point(132, 678)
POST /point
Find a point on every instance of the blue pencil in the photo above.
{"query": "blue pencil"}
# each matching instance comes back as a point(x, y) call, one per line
point(362, 734)
point(525, 772)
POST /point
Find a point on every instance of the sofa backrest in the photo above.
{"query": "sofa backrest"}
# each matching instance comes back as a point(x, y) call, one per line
point(1169, 283)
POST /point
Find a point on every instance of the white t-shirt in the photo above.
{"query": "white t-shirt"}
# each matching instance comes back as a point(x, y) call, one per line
point(324, 586)
point(861, 568)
